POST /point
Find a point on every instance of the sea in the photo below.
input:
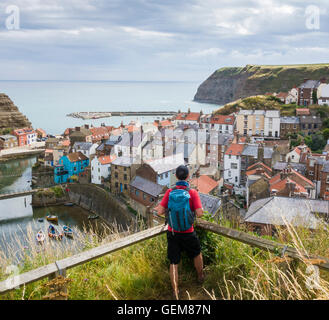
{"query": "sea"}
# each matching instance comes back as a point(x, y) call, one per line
point(47, 103)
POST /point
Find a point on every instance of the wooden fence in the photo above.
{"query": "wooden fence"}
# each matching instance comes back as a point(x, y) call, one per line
point(57, 268)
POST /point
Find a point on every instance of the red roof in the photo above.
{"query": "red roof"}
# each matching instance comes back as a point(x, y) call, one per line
point(261, 164)
point(235, 149)
point(220, 119)
point(163, 123)
point(302, 112)
point(65, 143)
point(204, 184)
point(106, 159)
point(282, 95)
point(192, 116)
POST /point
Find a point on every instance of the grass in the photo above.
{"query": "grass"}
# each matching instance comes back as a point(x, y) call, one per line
point(234, 270)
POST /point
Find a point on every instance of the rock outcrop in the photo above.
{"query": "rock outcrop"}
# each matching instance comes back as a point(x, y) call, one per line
point(10, 116)
point(230, 84)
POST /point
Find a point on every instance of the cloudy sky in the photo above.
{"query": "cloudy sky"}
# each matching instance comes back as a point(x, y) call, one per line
point(156, 39)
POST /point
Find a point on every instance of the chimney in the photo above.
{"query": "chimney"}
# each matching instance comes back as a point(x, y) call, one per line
point(260, 156)
point(189, 110)
point(87, 126)
point(77, 128)
point(290, 187)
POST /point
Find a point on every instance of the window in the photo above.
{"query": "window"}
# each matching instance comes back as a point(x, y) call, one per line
point(144, 196)
point(166, 174)
point(151, 199)
point(137, 193)
point(236, 179)
point(327, 179)
point(116, 175)
point(116, 185)
point(126, 187)
point(311, 173)
point(125, 177)
point(234, 166)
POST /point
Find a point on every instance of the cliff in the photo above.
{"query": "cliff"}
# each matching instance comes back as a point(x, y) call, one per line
point(230, 84)
point(10, 116)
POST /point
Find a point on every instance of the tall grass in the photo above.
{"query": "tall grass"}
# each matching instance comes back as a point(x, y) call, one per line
point(234, 270)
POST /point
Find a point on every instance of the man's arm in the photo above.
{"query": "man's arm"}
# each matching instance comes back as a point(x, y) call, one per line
point(199, 212)
point(161, 210)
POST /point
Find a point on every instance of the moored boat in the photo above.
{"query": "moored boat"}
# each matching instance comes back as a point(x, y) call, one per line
point(40, 237)
point(69, 204)
point(53, 233)
point(68, 232)
point(52, 218)
point(93, 217)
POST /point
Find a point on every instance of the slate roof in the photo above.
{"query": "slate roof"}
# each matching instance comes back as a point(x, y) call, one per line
point(310, 84)
point(123, 161)
point(251, 150)
point(146, 186)
point(166, 164)
point(300, 167)
point(310, 119)
point(210, 203)
point(82, 145)
point(296, 211)
point(290, 120)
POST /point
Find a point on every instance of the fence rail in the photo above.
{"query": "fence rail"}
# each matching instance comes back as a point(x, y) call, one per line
point(59, 267)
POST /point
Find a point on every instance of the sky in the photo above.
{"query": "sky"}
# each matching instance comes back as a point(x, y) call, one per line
point(157, 40)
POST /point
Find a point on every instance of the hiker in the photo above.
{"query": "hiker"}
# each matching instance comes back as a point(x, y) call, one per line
point(183, 204)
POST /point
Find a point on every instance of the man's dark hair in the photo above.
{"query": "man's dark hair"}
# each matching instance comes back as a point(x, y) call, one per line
point(182, 172)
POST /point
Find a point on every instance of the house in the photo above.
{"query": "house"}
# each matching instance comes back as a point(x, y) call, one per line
point(145, 192)
point(86, 148)
point(251, 122)
point(252, 154)
point(162, 171)
point(123, 169)
point(307, 91)
point(99, 133)
point(280, 166)
point(303, 112)
point(299, 154)
point(222, 124)
point(153, 149)
point(187, 118)
point(73, 164)
point(41, 133)
point(272, 123)
point(289, 125)
point(232, 164)
point(205, 184)
point(210, 204)
point(25, 136)
point(216, 146)
point(257, 186)
point(323, 94)
point(205, 121)
point(106, 147)
point(260, 169)
point(79, 134)
point(265, 215)
point(51, 143)
point(290, 183)
point(8, 141)
point(283, 96)
point(310, 124)
point(131, 145)
point(101, 168)
point(292, 96)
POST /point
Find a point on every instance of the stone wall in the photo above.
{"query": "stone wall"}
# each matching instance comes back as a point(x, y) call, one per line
point(102, 203)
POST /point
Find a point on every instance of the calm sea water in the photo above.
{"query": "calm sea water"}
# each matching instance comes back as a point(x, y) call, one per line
point(47, 103)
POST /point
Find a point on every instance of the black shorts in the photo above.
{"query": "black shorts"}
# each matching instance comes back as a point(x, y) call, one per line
point(178, 242)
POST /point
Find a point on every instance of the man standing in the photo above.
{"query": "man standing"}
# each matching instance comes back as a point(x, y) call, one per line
point(183, 204)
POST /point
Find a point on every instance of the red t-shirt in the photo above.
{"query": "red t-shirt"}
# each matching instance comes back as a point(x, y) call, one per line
point(195, 203)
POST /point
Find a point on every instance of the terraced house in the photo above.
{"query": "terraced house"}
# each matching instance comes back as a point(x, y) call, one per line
point(73, 164)
point(8, 141)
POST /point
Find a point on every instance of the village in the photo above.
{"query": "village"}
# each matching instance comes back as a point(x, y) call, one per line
point(244, 165)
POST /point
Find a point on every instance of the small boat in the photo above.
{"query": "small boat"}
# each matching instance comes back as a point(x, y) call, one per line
point(41, 237)
point(53, 233)
point(93, 217)
point(68, 232)
point(40, 220)
point(52, 218)
point(69, 204)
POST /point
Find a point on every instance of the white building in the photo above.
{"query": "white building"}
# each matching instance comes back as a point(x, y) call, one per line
point(86, 148)
point(101, 168)
point(292, 96)
point(232, 164)
point(323, 94)
point(272, 123)
point(31, 137)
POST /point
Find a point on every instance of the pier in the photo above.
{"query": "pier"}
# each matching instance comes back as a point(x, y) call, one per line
point(100, 115)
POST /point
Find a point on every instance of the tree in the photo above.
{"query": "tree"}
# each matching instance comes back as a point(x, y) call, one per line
point(325, 133)
point(315, 96)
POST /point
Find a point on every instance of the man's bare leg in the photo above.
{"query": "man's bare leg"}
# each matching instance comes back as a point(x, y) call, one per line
point(198, 264)
point(174, 278)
